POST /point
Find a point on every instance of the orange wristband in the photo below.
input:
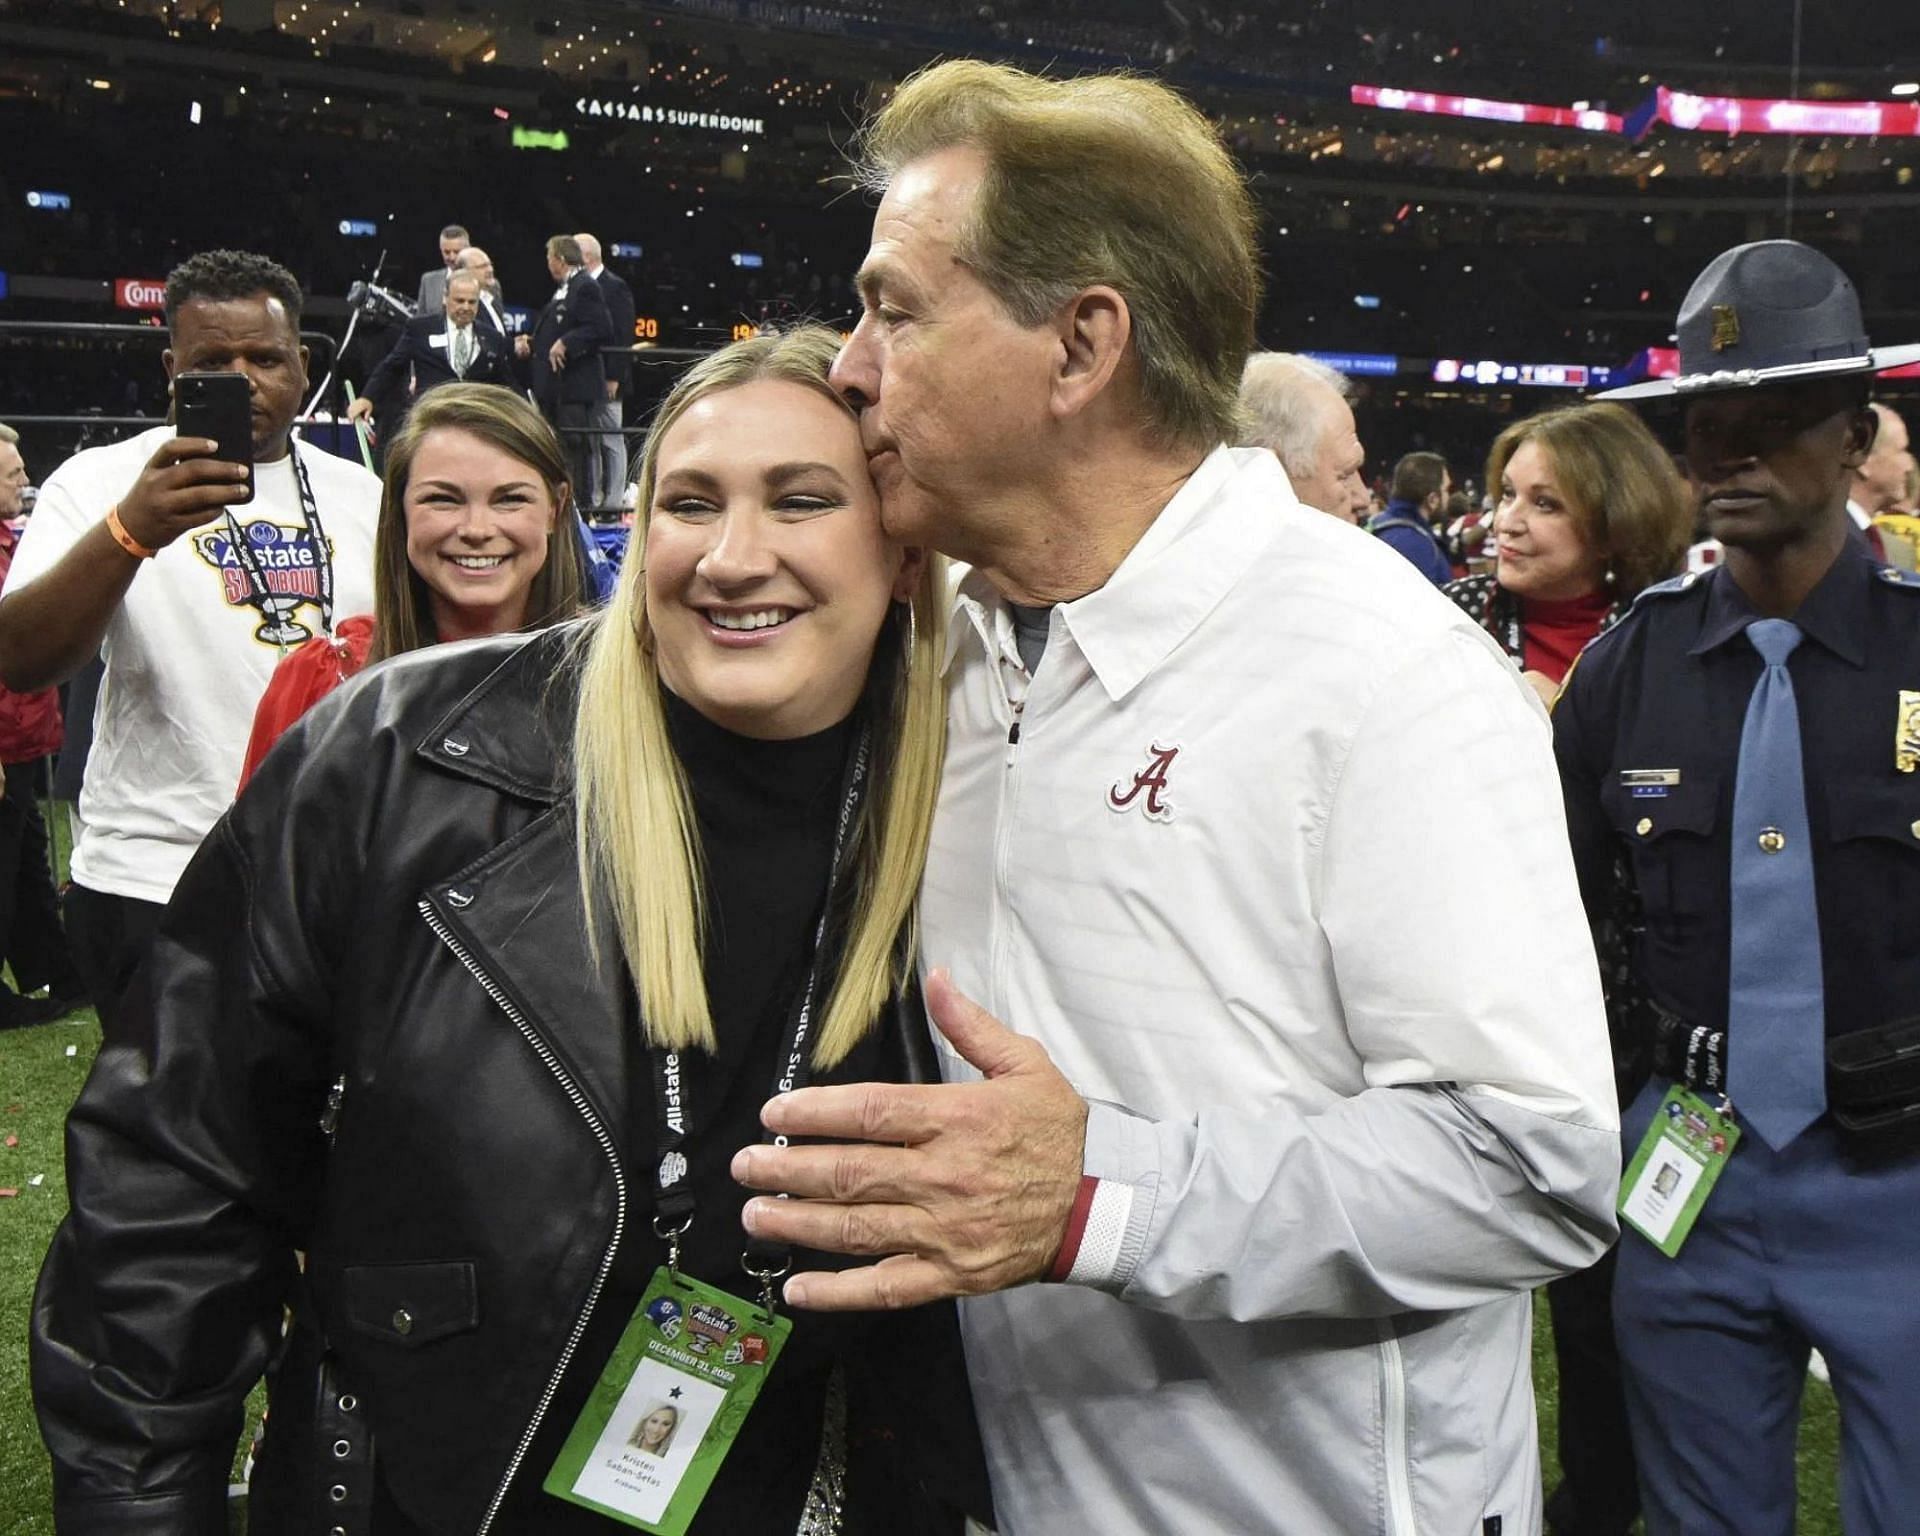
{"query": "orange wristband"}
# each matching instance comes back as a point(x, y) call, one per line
point(124, 539)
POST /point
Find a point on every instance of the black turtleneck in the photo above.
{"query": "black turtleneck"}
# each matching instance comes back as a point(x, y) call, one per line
point(766, 813)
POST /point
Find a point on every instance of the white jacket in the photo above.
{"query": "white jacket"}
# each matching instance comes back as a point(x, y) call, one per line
point(1233, 873)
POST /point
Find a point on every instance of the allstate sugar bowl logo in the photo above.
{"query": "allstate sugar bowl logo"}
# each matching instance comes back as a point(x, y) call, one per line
point(285, 561)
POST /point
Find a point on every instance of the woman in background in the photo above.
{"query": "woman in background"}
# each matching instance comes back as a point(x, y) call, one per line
point(1589, 512)
point(475, 538)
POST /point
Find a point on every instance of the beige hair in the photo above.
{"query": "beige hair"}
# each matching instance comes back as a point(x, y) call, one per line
point(1281, 409)
point(1620, 485)
point(1105, 179)
point(402, 608)
point(639, 846)
point(7, 434)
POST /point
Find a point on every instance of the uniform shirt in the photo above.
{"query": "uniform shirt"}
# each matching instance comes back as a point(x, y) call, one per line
point(1335, 1151)
point(1667, 689)
point(186, 663)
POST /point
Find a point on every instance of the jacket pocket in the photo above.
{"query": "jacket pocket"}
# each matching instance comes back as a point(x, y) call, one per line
point(410, 1305)
point(1671, 841)
point(1884, 808)
point(1873, 825)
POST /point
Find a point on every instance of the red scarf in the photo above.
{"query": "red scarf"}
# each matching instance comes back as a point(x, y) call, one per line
point(1553, 633)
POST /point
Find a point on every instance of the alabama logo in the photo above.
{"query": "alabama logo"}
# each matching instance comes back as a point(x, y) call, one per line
point(286, 562)
point(1148, 786)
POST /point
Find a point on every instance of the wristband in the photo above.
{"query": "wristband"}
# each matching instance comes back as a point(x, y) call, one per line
point(124, 539)
point(1063, 1261)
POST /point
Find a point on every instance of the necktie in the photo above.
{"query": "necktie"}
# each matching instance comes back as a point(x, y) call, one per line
point(462, 350)
point(1776, 1003)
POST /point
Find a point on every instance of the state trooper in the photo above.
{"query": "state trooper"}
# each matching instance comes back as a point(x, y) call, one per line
point(1741, 760)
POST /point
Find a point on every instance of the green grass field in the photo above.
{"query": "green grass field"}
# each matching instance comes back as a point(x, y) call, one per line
point(38, 1081)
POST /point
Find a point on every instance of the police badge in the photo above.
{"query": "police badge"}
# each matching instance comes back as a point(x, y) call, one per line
point(1906, 733)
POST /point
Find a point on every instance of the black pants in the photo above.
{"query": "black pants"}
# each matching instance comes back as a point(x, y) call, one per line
point(31, 937)
point(570, 419)
point(110, 936)
point(1598, 1493)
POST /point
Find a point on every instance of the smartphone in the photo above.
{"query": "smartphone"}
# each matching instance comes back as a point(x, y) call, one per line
point(219, 406)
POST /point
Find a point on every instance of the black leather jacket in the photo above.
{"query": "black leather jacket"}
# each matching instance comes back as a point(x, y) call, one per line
point(373, 1031)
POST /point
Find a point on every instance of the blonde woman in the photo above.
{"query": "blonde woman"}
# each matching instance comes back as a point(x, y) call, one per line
point(654, 1434)
point(473, 997)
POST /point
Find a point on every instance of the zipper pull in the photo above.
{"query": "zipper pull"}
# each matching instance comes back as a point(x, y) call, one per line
point(330, 1116)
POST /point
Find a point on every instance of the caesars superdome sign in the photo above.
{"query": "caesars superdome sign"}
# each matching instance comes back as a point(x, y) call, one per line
point(668, 117)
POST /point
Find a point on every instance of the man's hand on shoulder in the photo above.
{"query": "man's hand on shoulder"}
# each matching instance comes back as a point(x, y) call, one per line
point(179, 490)
point(957, 1188)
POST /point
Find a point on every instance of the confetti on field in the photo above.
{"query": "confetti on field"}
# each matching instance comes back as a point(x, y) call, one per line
point(8, 1194)
point(12, 1140)
point(37, 1180)
point(73, 1050)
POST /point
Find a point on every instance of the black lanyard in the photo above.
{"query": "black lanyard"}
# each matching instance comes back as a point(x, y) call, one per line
point(1505, 608)
point(323, 564)
point(673, 1209)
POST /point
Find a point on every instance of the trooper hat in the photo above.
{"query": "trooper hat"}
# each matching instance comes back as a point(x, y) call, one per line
point(1768, 313)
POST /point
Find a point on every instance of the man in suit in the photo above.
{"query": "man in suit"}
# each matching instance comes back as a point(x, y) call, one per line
point(610, 449)
point(438, 349)
point(569, 380)
point(433, 285)
point(480, 264)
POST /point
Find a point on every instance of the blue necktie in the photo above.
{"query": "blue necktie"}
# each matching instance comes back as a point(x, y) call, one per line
point(1776, 1003)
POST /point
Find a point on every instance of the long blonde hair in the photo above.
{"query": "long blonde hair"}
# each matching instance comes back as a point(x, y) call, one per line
point(639, 846)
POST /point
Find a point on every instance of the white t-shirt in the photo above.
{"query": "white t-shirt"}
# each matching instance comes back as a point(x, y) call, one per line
point(187, 651)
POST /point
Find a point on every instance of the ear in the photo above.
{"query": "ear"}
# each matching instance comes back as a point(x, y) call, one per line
point(1861, 431)
point(1093, 327)
point(166, 364)
point(306, 358)
point(913, 565)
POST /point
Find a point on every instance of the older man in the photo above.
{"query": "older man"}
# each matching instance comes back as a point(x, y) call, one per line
point(1295, 1167)
point(432, 297)
point(569, 335)
point(1298, 408)
point(479, 264)
point(438, 349)
point(609, 485)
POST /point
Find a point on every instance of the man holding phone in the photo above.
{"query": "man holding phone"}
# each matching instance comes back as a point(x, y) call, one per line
point(153, 554)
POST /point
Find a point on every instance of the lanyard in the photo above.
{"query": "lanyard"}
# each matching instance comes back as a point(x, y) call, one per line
point(323, 565)
point(673, 1191)
point(1505, 609)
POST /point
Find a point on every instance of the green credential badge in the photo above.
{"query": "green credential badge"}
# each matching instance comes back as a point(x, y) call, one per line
point(669, 1405)
point(1677, 1164)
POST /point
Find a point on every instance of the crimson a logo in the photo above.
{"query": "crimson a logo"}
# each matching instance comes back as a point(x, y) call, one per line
point(1148, 786)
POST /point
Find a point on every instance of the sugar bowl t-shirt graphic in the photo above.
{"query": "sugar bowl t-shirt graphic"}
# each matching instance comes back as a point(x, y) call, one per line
point(288, 562)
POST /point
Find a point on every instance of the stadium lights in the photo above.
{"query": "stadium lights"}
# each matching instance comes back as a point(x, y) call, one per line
point(1907, 88)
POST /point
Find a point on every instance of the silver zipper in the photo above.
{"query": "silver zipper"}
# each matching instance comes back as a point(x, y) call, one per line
point(552, 1064)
